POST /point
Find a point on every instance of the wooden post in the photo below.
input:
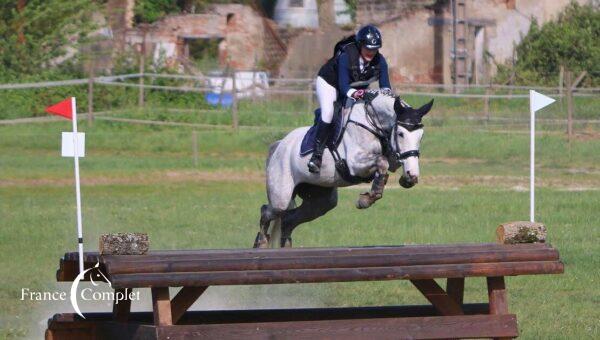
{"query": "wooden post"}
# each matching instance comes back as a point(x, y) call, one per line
point(309, 98)
point(234, 104)
point(455, 288)
point(569, 84)
point(561, 80)
point(161, 306)
point(497, 296)
point(184, 299)
point(443, 303)
point(195, 147)
point(141, 67)
point(486, 104)
point(90, 117)
point(123, 308)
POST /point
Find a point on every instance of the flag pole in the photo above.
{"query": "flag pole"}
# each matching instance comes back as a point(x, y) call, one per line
point(77, 187)
point(532, 162)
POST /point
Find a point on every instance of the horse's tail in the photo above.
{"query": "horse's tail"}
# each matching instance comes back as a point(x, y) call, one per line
point(272, 149)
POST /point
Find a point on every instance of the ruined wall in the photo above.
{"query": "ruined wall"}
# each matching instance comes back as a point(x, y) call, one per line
point(240, 27)
point(418, 44)
point(308, 51)
point(380, 11)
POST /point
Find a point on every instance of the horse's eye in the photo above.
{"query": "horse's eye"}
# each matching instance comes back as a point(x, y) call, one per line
point(401, 134)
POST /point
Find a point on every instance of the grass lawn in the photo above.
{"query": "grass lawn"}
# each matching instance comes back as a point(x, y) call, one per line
point(141, 178)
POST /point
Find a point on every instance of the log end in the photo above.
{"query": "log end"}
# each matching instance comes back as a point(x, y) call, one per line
point(124, 244)
point(521, 232)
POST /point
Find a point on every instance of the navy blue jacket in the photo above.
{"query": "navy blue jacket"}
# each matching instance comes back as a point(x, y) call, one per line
point(344, 74)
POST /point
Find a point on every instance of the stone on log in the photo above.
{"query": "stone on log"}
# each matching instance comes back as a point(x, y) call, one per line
point(521, 232)
point(124, 244)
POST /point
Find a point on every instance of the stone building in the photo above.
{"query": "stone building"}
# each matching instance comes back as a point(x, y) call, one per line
point(425, 43)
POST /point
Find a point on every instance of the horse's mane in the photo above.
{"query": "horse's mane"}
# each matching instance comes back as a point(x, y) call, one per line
point(387, 93)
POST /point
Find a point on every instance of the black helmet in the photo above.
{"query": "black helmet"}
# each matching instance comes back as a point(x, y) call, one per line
point(369, 37)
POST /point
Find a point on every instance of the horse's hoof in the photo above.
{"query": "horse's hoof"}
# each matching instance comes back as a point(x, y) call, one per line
point(261, 241)
point(364, 201)
point(286, 242)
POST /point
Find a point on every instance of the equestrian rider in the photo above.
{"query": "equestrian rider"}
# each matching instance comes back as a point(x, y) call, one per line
point(356, 63)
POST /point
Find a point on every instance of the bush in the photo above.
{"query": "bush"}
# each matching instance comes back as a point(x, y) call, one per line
point(573, 41)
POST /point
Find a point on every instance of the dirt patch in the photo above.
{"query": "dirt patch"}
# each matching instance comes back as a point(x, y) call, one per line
point(149, 178)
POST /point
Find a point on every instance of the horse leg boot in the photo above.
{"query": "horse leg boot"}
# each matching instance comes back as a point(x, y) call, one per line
point(366, 199)
point(314, 164)
point(262, 238)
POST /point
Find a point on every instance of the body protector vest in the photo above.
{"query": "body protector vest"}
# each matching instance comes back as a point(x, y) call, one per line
point(358, 79)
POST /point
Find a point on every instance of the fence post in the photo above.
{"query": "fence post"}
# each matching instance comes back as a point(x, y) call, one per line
point(90, 117)
point(142, 65)
point(561, 77)
point(486, 104)
point(195, 147)
point(569, 85)
point(309, 98)
point(234, 103)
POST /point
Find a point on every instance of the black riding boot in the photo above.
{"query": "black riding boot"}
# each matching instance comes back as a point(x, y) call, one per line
point(314, 165)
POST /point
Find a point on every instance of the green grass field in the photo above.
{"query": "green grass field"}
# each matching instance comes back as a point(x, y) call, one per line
point(142, 178)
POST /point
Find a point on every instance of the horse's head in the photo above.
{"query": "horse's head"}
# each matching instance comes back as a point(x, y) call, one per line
point(409, 131)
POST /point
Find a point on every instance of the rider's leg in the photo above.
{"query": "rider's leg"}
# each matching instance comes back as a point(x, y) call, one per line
point(327, 95)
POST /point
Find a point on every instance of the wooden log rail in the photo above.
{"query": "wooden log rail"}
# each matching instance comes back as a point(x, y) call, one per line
point(195, 270)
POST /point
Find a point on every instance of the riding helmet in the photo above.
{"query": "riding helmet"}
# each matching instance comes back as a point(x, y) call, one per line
point(369, 37)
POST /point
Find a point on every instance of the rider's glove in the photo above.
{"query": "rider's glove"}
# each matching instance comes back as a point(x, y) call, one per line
point(386, 91)
point(358, 94)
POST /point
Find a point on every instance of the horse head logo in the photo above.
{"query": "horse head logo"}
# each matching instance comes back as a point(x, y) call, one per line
point(95, 272)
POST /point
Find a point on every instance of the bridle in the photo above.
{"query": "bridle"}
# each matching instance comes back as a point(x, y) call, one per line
point(386, 138)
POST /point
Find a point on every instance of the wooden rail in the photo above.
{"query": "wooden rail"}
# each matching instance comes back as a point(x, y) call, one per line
point(195, 270)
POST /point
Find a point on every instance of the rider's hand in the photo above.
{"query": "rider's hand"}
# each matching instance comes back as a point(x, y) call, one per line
point(358, 94)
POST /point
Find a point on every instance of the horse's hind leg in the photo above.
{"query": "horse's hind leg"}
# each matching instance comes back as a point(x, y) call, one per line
point(266, 216)
point(316, 202)
point(280, 198)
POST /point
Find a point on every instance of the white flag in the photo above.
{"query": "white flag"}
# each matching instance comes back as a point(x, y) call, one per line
point(538, 101)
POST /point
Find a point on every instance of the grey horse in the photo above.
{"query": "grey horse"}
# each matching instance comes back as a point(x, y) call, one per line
point(381, 118)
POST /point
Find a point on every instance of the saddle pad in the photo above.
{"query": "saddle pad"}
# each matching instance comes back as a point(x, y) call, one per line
point(308, 142)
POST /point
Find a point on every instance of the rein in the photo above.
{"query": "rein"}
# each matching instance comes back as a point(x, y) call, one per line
point(385, 137)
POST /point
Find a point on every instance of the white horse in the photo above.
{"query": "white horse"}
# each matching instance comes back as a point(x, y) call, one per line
point(381, 133)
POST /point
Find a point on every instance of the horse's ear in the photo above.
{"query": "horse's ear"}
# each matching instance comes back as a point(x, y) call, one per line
point(398, 107)
point(425, 108)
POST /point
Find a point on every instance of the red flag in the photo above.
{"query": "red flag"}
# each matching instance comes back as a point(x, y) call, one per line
point(61, 109)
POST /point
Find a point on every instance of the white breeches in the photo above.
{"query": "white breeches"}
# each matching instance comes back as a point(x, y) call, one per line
point(326, 95)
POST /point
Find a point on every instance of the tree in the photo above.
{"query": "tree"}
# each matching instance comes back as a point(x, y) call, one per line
point(37, 33)
point(573, 41)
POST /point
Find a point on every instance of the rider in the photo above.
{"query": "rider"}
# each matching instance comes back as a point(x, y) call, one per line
point(355, 64)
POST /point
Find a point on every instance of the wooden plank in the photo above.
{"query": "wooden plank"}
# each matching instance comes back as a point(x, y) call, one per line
point(161, 306)
point(455, 288)
point(70, 320)
point(335, 274)
point(471, 326)
point(324, 252)
point(443, 303)
point(94, 257)
point(122, 309)
point(184, 299)
point(117, 266)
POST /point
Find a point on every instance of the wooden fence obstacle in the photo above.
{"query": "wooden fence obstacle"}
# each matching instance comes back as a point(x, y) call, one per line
point(447, 316)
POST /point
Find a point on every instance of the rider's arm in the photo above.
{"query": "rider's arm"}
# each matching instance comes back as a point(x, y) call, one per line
point(384, 77)
point(344, 75)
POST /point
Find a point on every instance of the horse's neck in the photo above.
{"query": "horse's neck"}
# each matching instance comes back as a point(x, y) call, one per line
point(359, 114)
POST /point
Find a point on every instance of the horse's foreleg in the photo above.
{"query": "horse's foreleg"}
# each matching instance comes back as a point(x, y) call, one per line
point(366, 199)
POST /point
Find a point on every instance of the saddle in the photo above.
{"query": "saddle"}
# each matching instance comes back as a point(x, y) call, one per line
point(339, 122)
point(335, 137)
